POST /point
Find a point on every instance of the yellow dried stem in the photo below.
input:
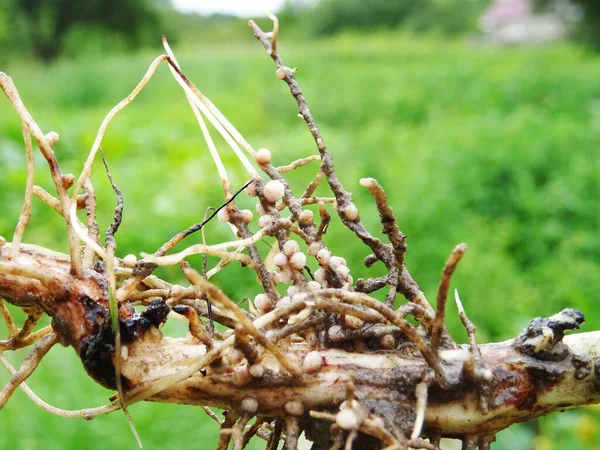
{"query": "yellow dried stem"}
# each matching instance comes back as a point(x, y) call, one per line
point(26, 212)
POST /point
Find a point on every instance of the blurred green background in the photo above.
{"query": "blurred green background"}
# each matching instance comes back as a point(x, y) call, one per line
point(494, 145)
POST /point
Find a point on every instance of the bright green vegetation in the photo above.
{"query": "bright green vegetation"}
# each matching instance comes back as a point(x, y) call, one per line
point(498, 148)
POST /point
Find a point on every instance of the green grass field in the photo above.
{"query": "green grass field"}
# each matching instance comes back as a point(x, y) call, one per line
point(497, 148)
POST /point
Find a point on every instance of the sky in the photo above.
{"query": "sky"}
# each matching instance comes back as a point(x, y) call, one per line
point(242, 8)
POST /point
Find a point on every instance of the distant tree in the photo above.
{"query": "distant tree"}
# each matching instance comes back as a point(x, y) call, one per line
point(589, 29)
point(47, 23)
point(586, 26)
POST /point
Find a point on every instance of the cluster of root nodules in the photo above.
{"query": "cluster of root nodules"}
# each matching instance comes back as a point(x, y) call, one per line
point(283, 342)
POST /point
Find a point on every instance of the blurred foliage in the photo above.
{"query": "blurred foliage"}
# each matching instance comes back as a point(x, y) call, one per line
point(47, 27)
point(195, 29)
point(439, 16)
point(498, 148)
point(446, 17)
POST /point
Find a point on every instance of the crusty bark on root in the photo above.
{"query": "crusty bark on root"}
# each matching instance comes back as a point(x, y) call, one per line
point(525, 388)
point(532, 375)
